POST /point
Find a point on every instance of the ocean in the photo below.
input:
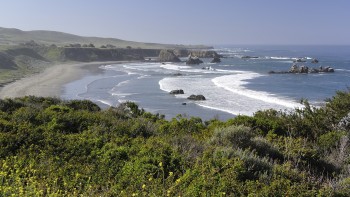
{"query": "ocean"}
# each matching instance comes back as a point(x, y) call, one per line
point(235, 86)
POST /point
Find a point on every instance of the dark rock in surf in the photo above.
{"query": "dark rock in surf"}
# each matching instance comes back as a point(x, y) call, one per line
point(198, 97)
point(177, 74)
point(180, 91)
point(216, 60)
point(299, 60)
point(249, 57)
point(314, 61)
point(304, 69)
point(193, 60)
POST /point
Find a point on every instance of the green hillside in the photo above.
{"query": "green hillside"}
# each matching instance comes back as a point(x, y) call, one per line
point(10, 36)
point(50, 147)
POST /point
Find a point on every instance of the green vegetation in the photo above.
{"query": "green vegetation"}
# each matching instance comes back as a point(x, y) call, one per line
point(10, 36)
point(24, 53)
point(19, 61)
point(50, 147)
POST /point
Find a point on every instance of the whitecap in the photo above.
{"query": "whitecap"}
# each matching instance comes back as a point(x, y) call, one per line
point(279, 58)
point(235, 84)
point(220, 96)
point(105, 102)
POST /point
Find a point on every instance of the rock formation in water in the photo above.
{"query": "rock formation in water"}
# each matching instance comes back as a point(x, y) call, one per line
point(304, 69)
point(193, 60)
point(216, 60)
point(167, 55)
point(180, 91)
point(198, 97)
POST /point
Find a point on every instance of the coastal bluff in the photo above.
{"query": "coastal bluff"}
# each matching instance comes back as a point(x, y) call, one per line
point(168, 55)
point(32, 57)
point(32, 54)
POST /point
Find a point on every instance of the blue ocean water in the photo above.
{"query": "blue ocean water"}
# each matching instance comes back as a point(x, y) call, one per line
point(234, 86)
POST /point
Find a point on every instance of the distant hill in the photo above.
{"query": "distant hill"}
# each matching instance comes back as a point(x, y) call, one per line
point(11, 36)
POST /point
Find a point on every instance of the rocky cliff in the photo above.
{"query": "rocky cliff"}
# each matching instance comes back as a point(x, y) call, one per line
point(196, 53)
point(95, 54)
point(167, 56)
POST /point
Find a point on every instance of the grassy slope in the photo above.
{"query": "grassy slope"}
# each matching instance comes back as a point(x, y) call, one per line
point(17, 60)
point(15, 36)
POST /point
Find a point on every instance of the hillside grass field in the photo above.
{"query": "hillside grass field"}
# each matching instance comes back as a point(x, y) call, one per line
point(12, 36)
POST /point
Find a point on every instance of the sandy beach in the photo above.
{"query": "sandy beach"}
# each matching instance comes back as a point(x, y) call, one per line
point(49, 83)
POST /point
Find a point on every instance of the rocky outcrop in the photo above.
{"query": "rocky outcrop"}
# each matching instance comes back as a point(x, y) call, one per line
point(167, 56)
point(314, 61)
point(304, 69)
point(180, 91)
point(216, 60)
point(296, 69)
point(177, 74)
point(209, 68)
point(299, 60)
point(193, 60)
point(249, 57)
point(196, 97)
point(197, 53)
point(326, 69)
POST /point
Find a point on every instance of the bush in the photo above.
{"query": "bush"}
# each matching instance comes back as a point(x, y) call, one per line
point(232, 136)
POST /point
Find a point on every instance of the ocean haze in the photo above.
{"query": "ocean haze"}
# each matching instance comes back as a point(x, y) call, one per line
point(188, 22)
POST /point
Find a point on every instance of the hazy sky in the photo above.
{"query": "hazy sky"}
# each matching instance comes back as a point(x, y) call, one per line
point(188, 21)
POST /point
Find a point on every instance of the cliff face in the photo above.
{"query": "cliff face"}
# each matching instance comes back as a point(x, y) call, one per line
point(197, 53)
point(94, 54)
point(60, 54)
point(167, 56)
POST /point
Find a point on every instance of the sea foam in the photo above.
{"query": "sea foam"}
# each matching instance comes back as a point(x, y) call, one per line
point(226, 93)
point(235, 84)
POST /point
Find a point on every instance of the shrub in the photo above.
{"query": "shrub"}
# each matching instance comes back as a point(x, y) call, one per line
point(232, 136)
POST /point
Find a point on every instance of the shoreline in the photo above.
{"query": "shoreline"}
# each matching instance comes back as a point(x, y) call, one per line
point(50, 82)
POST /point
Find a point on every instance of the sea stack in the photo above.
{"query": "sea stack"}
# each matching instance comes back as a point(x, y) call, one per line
point(193, 60)
point(167, 55)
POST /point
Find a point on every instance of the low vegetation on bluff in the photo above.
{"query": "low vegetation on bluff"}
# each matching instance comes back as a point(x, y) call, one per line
point(50, 147)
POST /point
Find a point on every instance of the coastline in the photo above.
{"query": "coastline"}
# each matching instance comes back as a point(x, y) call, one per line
point(50, 81)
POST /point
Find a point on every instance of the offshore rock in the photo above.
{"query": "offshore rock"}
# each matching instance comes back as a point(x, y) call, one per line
point(198, 97)
point(193, 60)
point(167, 56)
point(197, 53)
point(249, 57)
point(314, 61)
point(299, 60)
point(216, 60)
point(304, 69)
point(180, 91)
